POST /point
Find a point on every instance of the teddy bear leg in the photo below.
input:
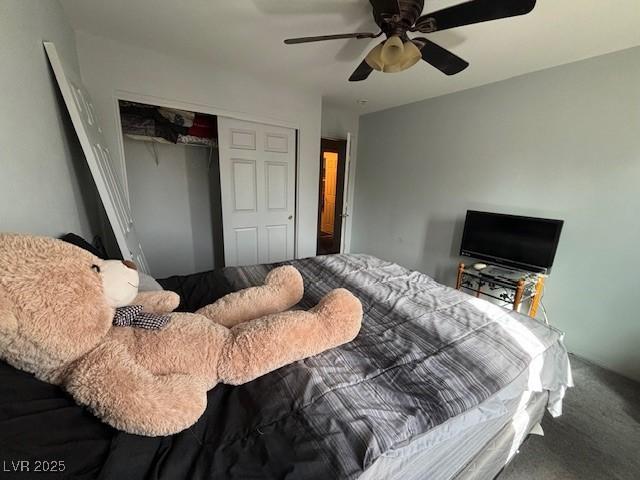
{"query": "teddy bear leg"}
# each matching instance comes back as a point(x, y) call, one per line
point(283, 288)
point(268, 343)
point(130, 398)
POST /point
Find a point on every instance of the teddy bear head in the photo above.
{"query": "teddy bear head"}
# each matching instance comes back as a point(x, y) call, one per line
point(56, 301)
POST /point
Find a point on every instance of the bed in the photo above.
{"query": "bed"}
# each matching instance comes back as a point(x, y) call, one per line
point(438, 385)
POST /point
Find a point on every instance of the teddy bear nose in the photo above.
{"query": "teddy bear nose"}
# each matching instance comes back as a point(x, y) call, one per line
point(130, 264)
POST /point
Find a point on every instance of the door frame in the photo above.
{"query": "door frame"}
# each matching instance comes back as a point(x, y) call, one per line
point(338, 146)
point(208, 110)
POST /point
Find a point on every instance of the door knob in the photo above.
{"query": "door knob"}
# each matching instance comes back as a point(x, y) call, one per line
point(290, 217)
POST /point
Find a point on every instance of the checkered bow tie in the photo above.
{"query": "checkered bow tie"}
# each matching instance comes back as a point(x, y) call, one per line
point(133, 316)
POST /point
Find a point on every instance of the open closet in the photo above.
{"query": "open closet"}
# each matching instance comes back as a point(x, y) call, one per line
point(208, 191)
point(173, 178)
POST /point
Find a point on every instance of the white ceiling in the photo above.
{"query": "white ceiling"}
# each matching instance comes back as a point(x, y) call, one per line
point(247, 35)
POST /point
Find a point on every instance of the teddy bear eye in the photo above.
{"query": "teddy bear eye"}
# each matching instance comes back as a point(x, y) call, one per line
point(95, 268)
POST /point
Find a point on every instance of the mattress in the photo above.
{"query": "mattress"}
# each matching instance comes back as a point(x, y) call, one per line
point(429, 363)
point(500, 449)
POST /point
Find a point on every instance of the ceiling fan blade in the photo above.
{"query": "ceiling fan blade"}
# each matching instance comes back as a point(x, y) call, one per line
point(361, 73)
point(475, 11)
point(439, 57)
point(293, 41)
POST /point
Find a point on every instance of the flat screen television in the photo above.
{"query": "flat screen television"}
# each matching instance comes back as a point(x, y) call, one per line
point(522, 242)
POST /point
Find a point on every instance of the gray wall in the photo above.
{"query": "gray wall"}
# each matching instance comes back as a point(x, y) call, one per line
point(172, 205)
point(45, 183)
point(561, 143)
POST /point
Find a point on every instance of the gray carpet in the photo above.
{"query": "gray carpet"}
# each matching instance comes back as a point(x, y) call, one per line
point(597, 437)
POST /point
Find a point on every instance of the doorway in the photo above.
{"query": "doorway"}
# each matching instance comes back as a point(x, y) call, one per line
point(333, 155)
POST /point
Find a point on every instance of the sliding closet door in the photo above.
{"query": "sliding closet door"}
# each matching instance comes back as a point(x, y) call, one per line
point(257, 180)
point(98, 158)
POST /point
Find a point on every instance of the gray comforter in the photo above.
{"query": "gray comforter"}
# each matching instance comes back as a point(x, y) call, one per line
point(425, 354)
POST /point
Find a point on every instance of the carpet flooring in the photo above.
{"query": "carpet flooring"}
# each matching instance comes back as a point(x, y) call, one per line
point(597, 437)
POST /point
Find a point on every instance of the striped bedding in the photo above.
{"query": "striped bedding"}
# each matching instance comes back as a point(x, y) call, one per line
point(425, 354)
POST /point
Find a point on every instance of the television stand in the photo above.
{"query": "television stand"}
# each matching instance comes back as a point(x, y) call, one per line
point(505, 284)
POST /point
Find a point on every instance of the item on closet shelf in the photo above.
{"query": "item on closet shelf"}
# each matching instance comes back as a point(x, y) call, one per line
point(204, 126)
point(166, 125)
point(56, 317)
point(181, 118)
point(193, 140)
point(479, 266)
point(148, 121)
point(137, 119)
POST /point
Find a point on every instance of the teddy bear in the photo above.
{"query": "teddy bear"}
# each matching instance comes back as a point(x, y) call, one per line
point(58, 302)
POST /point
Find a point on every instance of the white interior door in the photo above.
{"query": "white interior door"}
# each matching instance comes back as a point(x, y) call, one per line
point(346, 208)
point(98, 157)
point(257, 181)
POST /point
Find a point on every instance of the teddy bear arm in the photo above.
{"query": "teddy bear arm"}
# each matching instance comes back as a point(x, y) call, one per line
point(161, 301)
point(283, 288)
point(128, 397)
point(262, 345)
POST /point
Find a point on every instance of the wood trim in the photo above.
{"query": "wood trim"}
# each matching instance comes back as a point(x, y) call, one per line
point(535, 303)
point(518, 297)
point(459, 277)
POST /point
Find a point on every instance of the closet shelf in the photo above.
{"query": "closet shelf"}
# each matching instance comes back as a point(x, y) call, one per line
point(162, 141)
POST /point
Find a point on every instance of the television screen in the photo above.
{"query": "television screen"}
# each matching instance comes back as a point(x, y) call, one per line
point(523, 242)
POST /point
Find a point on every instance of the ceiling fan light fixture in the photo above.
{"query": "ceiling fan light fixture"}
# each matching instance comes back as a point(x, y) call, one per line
point(410, 56)
point(404, 56)
point(392, 50)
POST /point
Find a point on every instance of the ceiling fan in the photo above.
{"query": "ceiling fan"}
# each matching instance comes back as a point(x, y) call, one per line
point(397, 17)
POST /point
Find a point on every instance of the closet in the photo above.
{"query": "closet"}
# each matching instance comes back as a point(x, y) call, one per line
point(208, 191)
point(173, 178)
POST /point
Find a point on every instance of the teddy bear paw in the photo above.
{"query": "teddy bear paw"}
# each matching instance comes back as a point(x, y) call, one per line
point(343, 311)
point(288, 281)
